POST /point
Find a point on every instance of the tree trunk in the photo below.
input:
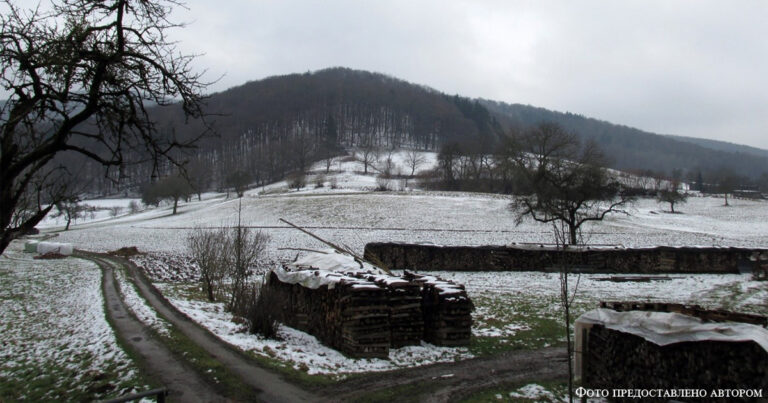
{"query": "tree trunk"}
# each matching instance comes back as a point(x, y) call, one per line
point(69, 220)
point(672, 207)
point(175, 203)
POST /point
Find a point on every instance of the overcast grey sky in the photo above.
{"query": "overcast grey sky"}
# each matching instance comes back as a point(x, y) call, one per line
point(694, 68)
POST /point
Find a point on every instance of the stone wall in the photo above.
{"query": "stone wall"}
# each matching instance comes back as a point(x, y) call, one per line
point(658, 260)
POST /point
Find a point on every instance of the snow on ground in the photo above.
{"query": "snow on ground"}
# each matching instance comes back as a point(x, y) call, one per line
point(57, 344)
point(139, 306)
point(437, 217)
point(301, 350)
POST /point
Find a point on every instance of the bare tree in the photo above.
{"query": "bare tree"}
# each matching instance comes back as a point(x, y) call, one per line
point(79, 79)
point(71, 210)
point(563, 181)
point(672, 195)
point(368, 152)
point(239, 180)
point(562, 234)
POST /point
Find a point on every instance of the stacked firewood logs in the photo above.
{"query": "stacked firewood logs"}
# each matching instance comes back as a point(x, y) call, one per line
point(406, 321)
point(447, 310)
point(617, 360)
point(364, 314)
point(350, 317)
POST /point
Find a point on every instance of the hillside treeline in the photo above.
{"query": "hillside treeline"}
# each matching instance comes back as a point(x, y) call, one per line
point(282, 124)
point(266, 129)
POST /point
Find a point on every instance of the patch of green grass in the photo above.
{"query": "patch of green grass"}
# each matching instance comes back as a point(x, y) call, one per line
point(542, 326)
point(54, 382)
point(414, 392)
point(558, 390)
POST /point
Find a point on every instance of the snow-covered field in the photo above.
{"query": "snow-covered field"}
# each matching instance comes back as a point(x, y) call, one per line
point(514, 310)
point(56, 342)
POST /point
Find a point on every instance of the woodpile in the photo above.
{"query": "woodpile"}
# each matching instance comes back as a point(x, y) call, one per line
point(363, 312)
point(352, 317)
point(406, 322)
point(616, 360)
point(446, 308)
point(540, 257)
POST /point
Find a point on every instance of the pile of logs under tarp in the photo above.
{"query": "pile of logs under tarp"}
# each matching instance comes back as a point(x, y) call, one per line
point(697, 355)
point(617, 360)
point(363, 313)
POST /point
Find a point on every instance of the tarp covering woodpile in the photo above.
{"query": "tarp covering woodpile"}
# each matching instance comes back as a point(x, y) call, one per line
point(359, 309)
point(650, 349)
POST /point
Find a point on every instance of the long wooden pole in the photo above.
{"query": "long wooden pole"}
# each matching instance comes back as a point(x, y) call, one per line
point(337, 248)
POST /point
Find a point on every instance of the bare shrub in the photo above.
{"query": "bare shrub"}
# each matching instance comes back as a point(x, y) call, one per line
point(319, 181)
point(208, 248)
point(297, 181)
point(114, 211)
point(243, 249)
point(133, 207)
point(334, 183)
point(382, 183)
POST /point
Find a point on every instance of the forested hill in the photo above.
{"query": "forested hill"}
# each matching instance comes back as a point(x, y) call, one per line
point(281, 124)
point(633, 149)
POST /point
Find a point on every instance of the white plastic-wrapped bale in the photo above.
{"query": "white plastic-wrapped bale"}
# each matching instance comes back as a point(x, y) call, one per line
point(31, 246)
point(65, 249)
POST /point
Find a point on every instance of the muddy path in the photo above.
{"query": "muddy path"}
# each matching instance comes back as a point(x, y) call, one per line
point(267, 386)
point(444, 382)
point(159, 363)
point(450, 382)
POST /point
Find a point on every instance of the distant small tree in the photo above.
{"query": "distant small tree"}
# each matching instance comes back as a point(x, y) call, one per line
point(414, 159)
point(727, 183)
point(297, 180)
point(198, 175)
point(672, 195)
point(239, 180)
point(149, 195)
point(563, 180)
point(71, 210)
point(174, 188)
point(368, 152)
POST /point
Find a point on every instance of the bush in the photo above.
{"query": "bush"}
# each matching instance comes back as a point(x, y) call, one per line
point(114, 211)
point(297, 181)
point(319, 181)
point(382, 183)
point(134, 207)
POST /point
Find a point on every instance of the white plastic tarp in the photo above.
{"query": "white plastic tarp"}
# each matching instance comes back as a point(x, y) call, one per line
point(31, 246)
point(317, 269)
point(663, 328)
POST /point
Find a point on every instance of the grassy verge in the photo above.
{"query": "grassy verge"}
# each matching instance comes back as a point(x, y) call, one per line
point(548, 391)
